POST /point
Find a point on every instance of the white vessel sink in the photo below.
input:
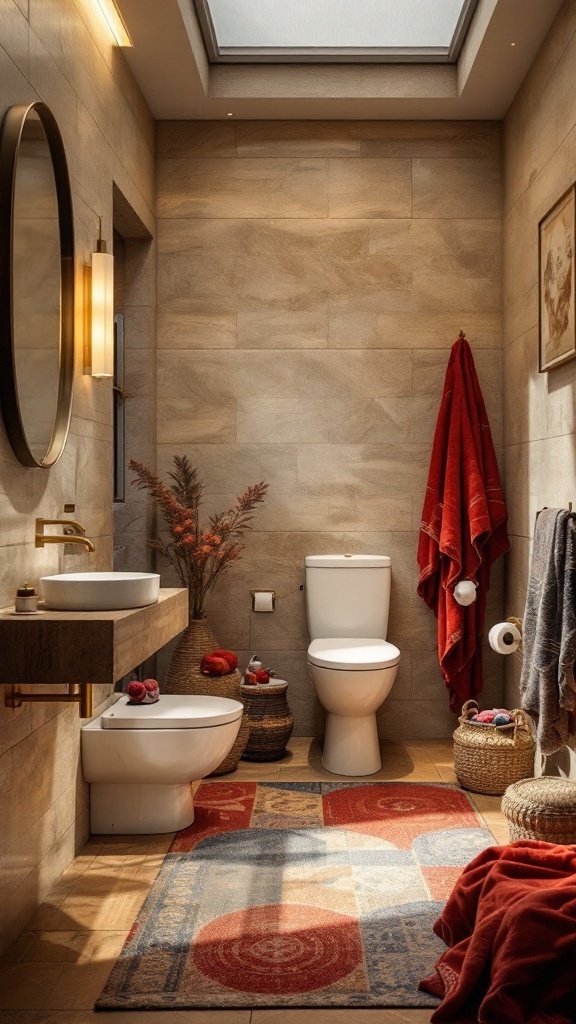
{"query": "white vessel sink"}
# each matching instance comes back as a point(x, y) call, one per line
point(100, 591)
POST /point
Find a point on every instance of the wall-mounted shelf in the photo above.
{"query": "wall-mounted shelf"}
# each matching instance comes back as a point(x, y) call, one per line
point(55, 648)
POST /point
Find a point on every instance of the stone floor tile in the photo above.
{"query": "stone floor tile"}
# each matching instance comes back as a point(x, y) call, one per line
point(341, 1016)
point(24, 988)
point(126, 1017)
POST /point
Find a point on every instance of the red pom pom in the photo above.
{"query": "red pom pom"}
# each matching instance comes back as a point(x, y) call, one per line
point(136, 691)
point(228, 656)
point(212, 666)
point(151, 685)
point(262, 676)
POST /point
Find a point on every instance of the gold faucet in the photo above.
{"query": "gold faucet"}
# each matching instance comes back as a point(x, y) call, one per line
point(74, 533)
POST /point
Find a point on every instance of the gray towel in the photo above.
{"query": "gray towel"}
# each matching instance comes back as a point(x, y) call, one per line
point(547, 685)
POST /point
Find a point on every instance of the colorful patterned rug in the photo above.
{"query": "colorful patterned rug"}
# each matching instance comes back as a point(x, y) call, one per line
point(299, 894)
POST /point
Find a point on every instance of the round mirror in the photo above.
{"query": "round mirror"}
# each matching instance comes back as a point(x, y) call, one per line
point(36, 285)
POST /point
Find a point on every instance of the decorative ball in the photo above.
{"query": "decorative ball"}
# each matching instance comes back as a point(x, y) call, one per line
point(262, 676)
point(136, 691)
point(228, 656)
point(213, 666)
point(501, 719)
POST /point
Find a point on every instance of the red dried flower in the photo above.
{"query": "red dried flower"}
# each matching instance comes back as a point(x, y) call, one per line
point(198, 557)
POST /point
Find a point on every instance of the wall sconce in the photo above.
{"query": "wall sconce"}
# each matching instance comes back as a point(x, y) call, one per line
point(115, 22)
point(102, 311)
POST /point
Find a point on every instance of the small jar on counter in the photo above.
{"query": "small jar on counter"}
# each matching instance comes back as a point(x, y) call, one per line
point(26, 600)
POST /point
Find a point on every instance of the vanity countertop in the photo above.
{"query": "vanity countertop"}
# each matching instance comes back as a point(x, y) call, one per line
point(61, 647)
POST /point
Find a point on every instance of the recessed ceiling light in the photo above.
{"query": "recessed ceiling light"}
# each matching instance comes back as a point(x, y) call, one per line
point(230, 115)
point(512, 44)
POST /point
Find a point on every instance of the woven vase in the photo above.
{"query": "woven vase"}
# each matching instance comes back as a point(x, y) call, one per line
point(184, 676)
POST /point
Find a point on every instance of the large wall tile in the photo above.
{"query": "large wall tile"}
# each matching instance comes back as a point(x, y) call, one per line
point(290, 329)
point(298, 138)
point(430, 139)
point(206, 187)
point(222, 266)
point(335, 419)
point(180, 139)
point(457, 188)
point(370, 329)
point(371, 188)
point(191, 331)
point(203, 377)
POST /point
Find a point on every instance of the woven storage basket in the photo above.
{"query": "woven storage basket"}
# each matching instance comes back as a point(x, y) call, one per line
point(184, 676)
point(271, 721)
point(541, 809)
point(488, 758)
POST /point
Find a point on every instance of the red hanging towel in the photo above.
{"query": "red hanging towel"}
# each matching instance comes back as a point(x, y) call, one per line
point(463, 529)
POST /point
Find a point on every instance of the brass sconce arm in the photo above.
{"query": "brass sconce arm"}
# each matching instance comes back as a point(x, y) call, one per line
point(74, 533)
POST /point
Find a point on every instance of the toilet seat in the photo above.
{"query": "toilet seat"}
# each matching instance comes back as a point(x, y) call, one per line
point(353, 654)
point(172, 711)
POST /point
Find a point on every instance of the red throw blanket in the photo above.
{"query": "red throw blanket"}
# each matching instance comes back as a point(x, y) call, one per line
point(463, 529)
point(511, 925)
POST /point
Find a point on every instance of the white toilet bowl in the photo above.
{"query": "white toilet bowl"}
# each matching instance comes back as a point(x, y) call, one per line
point(352, 677)
point(141, 759)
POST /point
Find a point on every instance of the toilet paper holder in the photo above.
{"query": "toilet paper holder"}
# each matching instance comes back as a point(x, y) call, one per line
point(264, 593)
point(515, 622)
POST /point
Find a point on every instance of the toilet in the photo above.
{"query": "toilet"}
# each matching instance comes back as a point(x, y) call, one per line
point(140, 760)
point(351, 664)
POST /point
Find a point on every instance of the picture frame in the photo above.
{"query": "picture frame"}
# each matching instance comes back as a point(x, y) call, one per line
point(557, 283)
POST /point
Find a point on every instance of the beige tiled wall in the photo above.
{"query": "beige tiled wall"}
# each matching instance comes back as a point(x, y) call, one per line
point(539, 409)
point(61, 52)
point(311, 280)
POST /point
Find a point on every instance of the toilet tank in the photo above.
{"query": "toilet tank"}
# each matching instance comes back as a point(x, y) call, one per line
point(348, 595)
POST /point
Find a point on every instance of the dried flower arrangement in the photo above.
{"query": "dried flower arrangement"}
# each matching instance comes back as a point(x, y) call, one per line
point(199, 556)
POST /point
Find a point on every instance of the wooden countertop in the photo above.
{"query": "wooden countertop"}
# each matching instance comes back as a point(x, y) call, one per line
point(87, 647)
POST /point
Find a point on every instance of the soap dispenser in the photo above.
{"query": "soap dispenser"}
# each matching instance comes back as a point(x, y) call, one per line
point(26, 602)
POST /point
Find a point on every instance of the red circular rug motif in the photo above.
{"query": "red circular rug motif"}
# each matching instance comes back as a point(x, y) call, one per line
point(278, 949)
point(398, 812)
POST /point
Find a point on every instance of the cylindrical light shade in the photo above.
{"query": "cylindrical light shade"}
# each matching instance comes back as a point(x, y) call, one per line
point(102, 314)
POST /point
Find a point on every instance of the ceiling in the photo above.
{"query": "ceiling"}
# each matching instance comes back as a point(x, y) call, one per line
point(168, 59)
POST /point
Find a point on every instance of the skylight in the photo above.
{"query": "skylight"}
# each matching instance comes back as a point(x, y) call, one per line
point(334, 30)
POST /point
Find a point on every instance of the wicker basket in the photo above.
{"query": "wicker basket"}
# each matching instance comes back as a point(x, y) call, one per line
point(489, 758)
point(184, 676)
point(271, 721)
point(541, 809)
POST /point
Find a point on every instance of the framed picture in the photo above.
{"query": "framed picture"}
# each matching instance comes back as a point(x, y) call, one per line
point(557, 283)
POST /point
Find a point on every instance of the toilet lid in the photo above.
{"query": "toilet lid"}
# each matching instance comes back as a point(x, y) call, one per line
point(172, 711)
point(353, 653)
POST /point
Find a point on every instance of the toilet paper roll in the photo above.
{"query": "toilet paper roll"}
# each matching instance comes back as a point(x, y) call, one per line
point(263, 601)
point(504, 638)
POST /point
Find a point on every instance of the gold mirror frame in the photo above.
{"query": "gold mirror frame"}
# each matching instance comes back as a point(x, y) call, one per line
point(10, 138)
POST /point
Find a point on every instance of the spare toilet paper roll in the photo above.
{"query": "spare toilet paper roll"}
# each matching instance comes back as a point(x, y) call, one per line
point(504, 638)
point(264, 601)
